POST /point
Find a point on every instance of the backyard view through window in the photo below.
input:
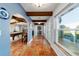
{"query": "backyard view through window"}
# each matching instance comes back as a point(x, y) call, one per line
point(68, 34)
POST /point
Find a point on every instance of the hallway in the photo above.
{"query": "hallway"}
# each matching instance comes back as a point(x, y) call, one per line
point(39, 46)
point(37, 29)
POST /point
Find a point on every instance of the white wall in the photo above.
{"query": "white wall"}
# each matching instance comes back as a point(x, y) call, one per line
point(30, 31)
point(47, 29)
point(35, 30)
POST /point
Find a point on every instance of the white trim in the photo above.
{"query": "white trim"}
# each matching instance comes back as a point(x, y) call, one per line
point(66, 49)
point(57, 50)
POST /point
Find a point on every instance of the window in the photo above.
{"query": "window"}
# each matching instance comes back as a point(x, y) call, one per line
point(68, 33)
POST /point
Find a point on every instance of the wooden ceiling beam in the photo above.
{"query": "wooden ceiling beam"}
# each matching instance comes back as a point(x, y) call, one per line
point(39, 20)
point(48, 13)
point(38, 24)
point(18, 19)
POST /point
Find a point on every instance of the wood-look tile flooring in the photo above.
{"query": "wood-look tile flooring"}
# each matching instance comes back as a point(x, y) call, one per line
point(39, 46)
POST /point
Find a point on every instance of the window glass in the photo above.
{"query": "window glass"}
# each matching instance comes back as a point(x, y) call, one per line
point(68, 33)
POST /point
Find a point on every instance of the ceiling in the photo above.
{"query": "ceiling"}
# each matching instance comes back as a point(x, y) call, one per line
point(44, 7)
point(31, 7)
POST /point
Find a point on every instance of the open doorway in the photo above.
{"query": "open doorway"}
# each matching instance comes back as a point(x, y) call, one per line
point(39, 30)
point(18, 32)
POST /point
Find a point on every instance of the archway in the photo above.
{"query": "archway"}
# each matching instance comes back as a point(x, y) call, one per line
point(18, 31)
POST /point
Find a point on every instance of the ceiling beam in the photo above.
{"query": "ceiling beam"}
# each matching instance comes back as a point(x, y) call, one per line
point(38, 24)
point(39, 20)
point(13, 23)
point(48, 13)
point(18, 19)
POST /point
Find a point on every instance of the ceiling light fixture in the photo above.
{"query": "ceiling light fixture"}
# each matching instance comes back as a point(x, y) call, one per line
point(39, 23)
point(38, 4)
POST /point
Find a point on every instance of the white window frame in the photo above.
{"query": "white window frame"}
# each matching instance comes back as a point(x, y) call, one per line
point(70, 8)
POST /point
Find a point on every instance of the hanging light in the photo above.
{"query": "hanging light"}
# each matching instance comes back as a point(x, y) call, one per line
point(38, 4)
